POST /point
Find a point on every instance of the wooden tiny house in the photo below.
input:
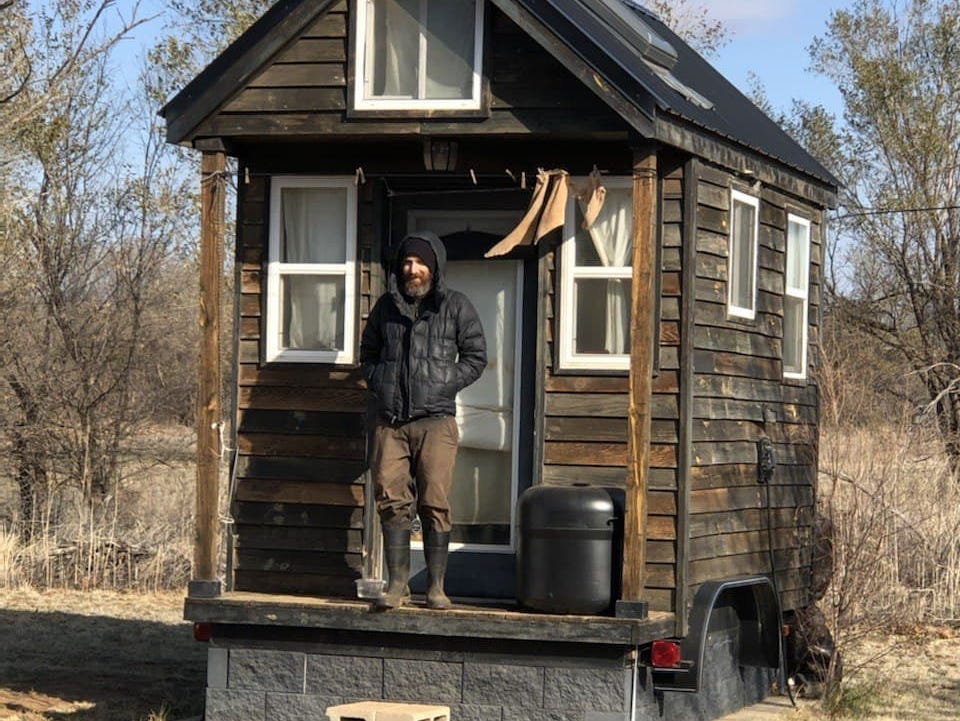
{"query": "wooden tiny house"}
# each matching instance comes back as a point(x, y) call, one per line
point(660, 352)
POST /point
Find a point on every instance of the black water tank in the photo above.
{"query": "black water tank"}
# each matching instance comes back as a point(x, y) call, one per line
point(565, 554)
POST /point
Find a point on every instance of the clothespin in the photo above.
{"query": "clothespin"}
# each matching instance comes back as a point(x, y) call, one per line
point(360, 178)
point(246, 175)
point(523, 180)
point(512, 176)
point(473, 176)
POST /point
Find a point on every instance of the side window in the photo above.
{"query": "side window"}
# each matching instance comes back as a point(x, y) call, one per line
point(742, 255)
point(311, 269)
point(414, 54)
point(796, 298)
point(596, 271)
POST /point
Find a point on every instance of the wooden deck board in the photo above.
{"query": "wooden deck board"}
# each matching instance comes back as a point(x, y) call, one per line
point(471, 621)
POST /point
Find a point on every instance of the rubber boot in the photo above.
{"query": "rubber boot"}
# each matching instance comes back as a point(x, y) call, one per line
point(397, 542)
point(436, 549)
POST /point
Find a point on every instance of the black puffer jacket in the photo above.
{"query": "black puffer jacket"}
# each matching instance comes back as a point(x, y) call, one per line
point(416, 358)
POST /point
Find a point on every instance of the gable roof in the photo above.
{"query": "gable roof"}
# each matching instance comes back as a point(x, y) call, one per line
point(630, 48)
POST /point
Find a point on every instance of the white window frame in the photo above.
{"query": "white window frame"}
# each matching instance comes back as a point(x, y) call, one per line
point(276, 269)
point(802, 253)
point(362, 69)
point(569, 274)
point(748, 313)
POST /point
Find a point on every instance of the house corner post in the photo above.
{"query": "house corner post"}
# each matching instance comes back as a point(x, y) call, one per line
point(642, 320)
point(205, 581)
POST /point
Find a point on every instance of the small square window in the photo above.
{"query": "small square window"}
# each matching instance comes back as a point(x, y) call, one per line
point(596, 273)
point(418, 54)
point(796, 298)
point(742, 256)
point(311, 270)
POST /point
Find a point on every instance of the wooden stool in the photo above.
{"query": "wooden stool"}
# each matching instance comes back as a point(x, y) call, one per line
point(386, 711)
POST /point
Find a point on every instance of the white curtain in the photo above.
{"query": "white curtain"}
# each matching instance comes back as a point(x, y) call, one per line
point(611, 235)
point(396, 47)
point(314, 228)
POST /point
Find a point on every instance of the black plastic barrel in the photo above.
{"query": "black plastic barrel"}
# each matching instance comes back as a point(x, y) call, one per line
point(565, 554)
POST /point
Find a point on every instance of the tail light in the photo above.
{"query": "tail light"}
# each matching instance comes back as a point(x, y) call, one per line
point(202, 631)
point(665, 654)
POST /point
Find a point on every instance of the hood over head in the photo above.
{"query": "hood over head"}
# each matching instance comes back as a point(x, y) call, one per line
point(417, 243)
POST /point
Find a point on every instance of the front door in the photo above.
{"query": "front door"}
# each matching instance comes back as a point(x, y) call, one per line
point(491, 469)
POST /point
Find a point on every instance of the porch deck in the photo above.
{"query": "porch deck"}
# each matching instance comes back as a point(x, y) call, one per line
point(464, 620)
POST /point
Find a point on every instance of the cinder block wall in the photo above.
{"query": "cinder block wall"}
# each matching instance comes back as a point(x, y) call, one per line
point(278, 675)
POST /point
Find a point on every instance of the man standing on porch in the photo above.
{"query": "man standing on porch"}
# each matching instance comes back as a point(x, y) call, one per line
point(422, 345)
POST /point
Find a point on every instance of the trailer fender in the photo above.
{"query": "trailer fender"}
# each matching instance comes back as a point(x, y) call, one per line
point(761, 636)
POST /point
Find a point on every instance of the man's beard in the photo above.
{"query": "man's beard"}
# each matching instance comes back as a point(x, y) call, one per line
point(417, 291)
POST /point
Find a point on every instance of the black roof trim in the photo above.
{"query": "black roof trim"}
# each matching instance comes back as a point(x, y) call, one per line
point(228, 72)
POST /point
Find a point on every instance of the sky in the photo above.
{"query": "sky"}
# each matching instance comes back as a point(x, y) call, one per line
point(771, 38)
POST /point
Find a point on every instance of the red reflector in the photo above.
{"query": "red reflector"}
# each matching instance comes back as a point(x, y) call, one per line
point(665, 654)
point(202, 631)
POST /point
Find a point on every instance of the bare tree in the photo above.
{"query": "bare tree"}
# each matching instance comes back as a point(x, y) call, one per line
point(691, 21)
point(897, 152)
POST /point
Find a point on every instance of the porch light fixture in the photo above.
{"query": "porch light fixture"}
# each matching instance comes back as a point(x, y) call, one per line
point(440, 154)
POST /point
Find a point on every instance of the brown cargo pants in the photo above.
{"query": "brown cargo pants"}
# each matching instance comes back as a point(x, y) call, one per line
point(412, 469)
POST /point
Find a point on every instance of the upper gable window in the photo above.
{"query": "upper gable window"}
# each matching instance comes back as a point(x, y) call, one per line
point(418, 54)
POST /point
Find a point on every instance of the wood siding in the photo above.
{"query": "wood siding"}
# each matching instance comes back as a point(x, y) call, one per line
point(304, 92)
point(300, 436)
point(739, 396)
point(585, 415)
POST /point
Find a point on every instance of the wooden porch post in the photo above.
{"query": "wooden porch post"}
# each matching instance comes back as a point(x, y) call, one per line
point(642, 320)
point(212, 205)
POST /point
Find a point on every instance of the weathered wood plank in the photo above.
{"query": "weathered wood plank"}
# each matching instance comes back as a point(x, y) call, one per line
point(301, 75)
point(604, 405)
point(736, 341)
point(745, 497)
point(302, 422)
point(745, 474)
point(732, 544)
point(324, 586)
point(720, 408)
point(753, 389)
point(315, 50)
point(299, 538)
point(603, 429)
point(663, 382)
point(299, 375)
point(306, 446)
point(735, 364)
point(295, 515)
point(335, 470)
point(289, 561)
point(604, 454)
point(302, 399)
point(724, 522)
point(660, 478)
point(661, 528)
point(748, 564)
point(332, 494)
point(279, 100)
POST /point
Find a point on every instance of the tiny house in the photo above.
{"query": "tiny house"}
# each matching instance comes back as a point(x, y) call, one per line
point(666, 353)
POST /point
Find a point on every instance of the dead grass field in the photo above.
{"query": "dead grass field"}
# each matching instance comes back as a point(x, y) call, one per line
point(98, 656)
point(107, 656)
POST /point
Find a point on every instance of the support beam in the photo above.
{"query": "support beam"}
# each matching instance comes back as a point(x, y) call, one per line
point(205, 582)
point(642, 320)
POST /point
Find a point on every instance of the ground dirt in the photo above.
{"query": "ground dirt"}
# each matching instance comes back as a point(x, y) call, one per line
point(98, 656)
point(106, 656)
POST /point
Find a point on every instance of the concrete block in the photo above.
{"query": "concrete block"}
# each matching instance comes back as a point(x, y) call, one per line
point(596, 689)
point(252, 668)
point(217, 664)
point(474, 712)
point(387, 711)
point(422, 681)
point(502, 685)
point(233, 705)
point(344, 676)
point(541, 714)
point(297, 707)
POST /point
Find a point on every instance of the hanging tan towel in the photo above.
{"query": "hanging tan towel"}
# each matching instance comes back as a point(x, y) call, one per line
point(524, 232)
point(591, 198)
point(555, 207)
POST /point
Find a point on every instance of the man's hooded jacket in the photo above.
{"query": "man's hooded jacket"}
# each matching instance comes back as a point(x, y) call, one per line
point(416, 357)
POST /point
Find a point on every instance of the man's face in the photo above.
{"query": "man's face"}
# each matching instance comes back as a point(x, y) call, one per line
point(417, 278)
